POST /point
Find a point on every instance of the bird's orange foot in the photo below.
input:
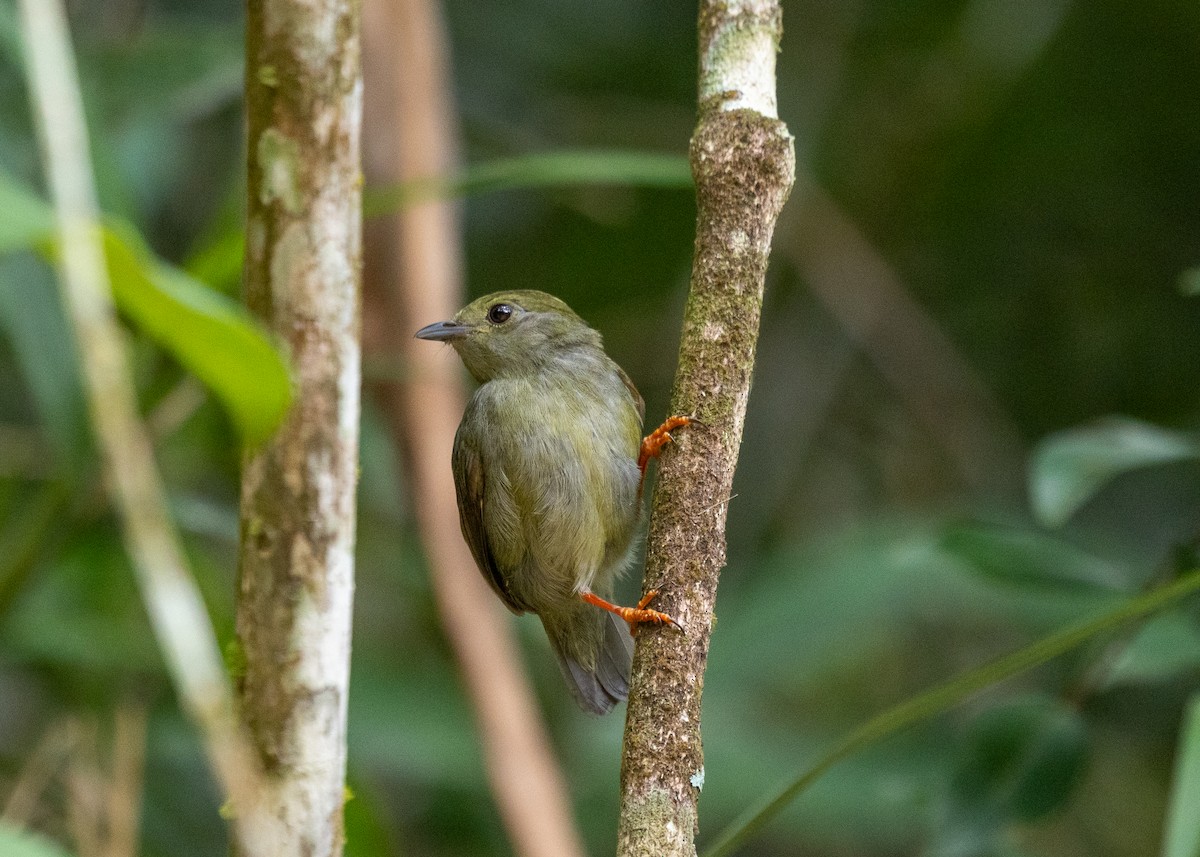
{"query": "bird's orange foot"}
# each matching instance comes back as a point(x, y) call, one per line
point(633, 615)
point(653, 443)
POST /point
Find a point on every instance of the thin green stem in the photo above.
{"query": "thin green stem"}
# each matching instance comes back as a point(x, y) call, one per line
point(943, 698)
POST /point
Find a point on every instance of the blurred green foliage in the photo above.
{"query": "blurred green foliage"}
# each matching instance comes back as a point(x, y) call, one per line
point(1028, 171)
point(15, 843)
point(210, 334)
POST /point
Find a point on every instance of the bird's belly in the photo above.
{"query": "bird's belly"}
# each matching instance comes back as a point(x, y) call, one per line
point(579, 514)
point(560, 503)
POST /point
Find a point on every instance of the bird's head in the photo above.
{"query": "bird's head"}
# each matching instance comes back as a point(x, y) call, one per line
point(511, 333)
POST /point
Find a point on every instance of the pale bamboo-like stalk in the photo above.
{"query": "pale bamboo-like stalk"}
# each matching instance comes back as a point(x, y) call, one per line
point(302, 274)
point(744, 165)
point(409, 84)
point(177, 614)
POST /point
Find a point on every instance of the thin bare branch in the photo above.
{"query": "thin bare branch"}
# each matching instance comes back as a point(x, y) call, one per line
point(127, 779)
point(40, 767)
point(410, 106)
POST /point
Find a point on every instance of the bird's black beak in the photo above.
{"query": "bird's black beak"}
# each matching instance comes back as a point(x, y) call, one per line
point(443, 331)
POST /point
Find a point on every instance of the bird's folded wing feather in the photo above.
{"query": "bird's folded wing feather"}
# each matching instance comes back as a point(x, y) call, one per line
point(638, 402)
point(470, 483)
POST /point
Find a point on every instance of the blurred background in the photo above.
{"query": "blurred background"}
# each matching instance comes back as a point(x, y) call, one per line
point(990, 249)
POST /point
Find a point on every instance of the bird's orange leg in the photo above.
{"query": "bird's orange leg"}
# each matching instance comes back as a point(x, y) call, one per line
point(633, 615)
point(654, 442)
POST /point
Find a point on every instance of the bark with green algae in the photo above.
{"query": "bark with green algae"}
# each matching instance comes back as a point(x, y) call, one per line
point(303, 254)
point(744, 165)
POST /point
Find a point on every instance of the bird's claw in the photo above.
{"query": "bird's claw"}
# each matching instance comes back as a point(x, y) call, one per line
point(641, 614)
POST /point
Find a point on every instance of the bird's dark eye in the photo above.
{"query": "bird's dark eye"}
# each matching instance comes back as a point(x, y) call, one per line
point(500, 313)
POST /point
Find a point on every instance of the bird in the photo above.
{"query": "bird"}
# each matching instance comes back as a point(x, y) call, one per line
point(549, 464)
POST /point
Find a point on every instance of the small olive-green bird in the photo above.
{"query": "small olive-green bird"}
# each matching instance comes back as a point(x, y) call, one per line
point(548, 465)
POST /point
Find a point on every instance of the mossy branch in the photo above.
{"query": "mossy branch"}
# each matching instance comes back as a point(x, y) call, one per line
point(743, 163)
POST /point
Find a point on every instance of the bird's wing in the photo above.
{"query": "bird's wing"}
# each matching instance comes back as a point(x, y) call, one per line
point(469, 482)
point(633, 391)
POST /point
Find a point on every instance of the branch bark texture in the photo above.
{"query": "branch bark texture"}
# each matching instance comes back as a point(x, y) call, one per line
point(303, 253)
point(743, 163)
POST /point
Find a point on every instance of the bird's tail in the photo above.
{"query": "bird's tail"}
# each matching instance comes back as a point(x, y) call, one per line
point(595, 651)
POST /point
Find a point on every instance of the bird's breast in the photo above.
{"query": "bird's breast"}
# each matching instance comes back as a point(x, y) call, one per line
point(561, 459)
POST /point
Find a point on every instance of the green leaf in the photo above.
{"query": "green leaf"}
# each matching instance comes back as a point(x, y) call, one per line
point(648, 169)
point(943, 698)
point(1182, 836)
point(1019, 762)
point(1013, 555)
point(1189, 282)
point(10, 37)
point(31, 316)
point(18, 843)
point(367, 830)
point(81, 613)
point(218, 262)
point(1162, 649)
point(26, 222)
point(1070, 467)
point(210, 334)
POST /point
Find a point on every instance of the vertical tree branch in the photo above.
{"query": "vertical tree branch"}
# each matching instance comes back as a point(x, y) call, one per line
point(744, 165)
point(303, 105)
point(409, 83)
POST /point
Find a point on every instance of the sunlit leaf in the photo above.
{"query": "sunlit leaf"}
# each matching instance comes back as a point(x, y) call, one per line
point(1182, 836)
point(1069, 467)
point(210, 334)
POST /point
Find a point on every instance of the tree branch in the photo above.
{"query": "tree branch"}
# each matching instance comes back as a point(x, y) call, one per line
point(303, 228)
point(744, 165)
point(410, 111)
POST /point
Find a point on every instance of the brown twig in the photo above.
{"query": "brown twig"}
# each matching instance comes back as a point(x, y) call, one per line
point(126, 779)
point(744, 165)
point(84, 788)
point(56, 744)
point(417, 270)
